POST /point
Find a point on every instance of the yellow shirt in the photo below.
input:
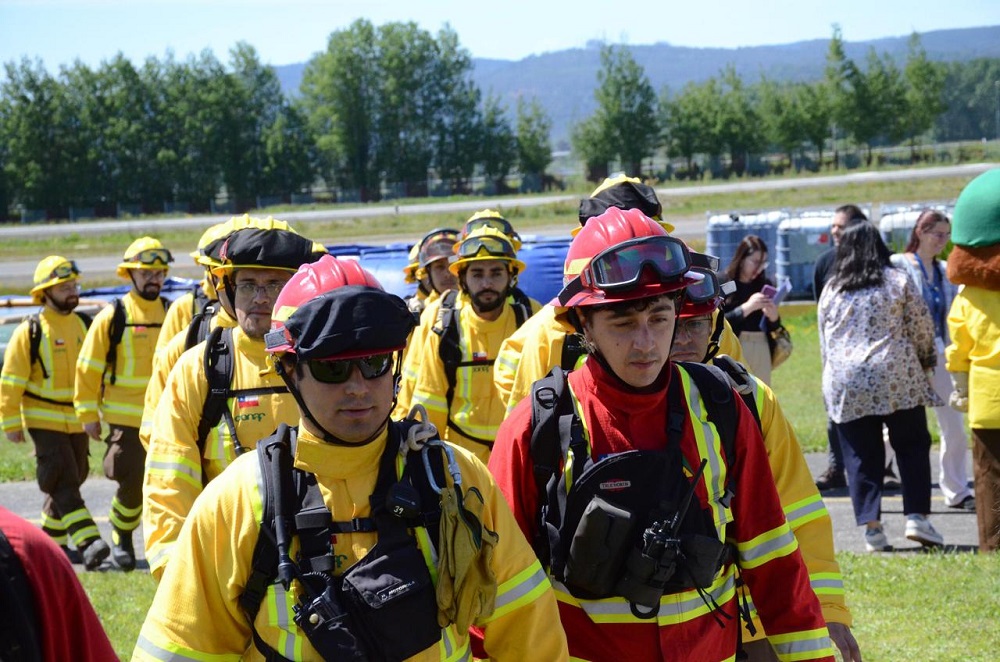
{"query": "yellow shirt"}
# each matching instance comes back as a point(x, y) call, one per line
point(211, 563)
point(175, 470)
point(119, 403)
point(61, 339)
point(974, 326)
point(476, 407)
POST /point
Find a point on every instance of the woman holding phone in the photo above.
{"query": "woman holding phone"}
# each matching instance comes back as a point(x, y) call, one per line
point(751, 310)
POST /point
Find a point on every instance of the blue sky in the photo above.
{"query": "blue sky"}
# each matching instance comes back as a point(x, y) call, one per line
point(284, 32)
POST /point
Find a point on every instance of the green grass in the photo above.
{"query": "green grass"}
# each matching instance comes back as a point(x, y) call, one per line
point(17, 461)
point(941, 607)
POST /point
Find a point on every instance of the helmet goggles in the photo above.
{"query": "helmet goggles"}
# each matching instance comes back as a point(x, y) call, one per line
point(337, 371)
point(498, 223)
point(151, 256)
point(492, 245)
point(65, 270)
point(620, 267)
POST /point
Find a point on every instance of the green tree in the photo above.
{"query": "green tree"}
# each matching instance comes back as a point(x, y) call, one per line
point(593, 146)
point(689, 127)
point(626, 108)
point(498, 151)
point(534, 149)
point(924, 93)
point(458, 125)
point(836, 86)
point(783, 115)
point(289, 152)
point(738, 121)
point(971, 101)
point(817, 112)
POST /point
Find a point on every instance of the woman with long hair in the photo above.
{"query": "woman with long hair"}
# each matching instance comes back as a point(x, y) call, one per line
point(930, 235)
point(877, 346)
point(748, 307)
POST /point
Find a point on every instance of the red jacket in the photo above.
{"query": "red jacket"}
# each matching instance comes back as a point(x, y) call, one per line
point(619, 420)
point(67, 625)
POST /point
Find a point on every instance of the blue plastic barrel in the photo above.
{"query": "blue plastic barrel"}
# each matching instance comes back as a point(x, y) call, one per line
point(801, 240)
point(726, 231)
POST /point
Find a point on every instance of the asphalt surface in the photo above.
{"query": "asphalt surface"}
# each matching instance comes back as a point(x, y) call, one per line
point(957, 526)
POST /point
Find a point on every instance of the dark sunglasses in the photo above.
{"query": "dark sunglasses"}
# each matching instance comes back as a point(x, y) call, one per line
point(338, 371)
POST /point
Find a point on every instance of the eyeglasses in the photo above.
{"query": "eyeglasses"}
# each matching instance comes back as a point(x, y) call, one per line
point(65, 270)
point(940, 235)
point(694, 326)
point(250, 289)
point(338, 371)
point(152, 256)
point(620, 267)
point(494, 246)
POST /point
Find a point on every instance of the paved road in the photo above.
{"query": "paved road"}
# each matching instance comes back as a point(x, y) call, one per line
point(19, 272)
point(957, 527)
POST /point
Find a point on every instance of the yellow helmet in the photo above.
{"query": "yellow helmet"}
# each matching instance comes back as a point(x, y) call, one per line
point(209, 236)
point(485, 244)
point(144, 253)
point(410, 270)
point(50, 272)
point(623, 192)
point(490, 218)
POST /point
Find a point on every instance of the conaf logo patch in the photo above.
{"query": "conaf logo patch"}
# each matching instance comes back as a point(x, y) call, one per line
point(615, 485)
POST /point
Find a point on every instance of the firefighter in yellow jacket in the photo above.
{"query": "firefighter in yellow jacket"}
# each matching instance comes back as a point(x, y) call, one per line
point(36, 394)
point(694, 340)
point(111, 376)
point(336, 340)
point(206, 418)
point(452, 364)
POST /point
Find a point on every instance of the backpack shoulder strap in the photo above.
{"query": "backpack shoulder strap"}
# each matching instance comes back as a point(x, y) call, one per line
point(218, 363)
point(115, 332)
point(741, 380)
point(35, 343)
point(86, 319)
point(717, 393)
point(572, 350)
point(19, 629)
point(522, 306)
point(198, 327)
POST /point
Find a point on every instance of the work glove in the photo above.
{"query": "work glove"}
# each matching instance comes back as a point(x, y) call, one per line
point(467, 585)
point(959, 399)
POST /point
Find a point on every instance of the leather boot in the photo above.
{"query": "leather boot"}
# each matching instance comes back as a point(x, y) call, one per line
point(122, 552)
point(94, 553)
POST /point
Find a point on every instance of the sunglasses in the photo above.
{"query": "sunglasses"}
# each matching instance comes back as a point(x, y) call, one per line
point(152, 256)
point(620, 267)
point(495, 246)
point(65, 270)
point(338, 371)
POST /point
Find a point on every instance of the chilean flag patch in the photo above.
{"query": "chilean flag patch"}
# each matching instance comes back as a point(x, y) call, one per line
point(479, 356)
point(60, 342)
point(244, 401)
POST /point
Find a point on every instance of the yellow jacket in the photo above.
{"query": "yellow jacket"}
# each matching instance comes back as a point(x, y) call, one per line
point(175, 471)
point(807, 516)
point(974, 325)
point(119, 403)
point(179, 315)
point(61, 340)
point(533, 350)
point(476, 407)
point(163, 362)
point(195, 613)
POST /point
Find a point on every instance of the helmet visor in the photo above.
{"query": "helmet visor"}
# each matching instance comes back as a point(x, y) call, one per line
point(65, 270)
point(152, 256)
point(620, 267)
point(501, 225)
point(338, 371)
point(705, 290)
point(493, 246)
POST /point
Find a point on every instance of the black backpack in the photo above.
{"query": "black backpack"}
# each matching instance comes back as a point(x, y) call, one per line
point(556, 427)
point(201, 319)
point(35, 339)
point(446, 327)
point(19, 628)
point(117, 330)
point(293, 496)
point(219, 364)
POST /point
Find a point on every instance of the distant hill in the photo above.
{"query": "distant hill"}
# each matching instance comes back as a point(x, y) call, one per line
point(564, 81)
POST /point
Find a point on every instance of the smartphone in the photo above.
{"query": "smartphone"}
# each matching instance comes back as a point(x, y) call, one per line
point(769, 291)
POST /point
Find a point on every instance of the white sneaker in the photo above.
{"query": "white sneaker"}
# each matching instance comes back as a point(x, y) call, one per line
point(919, 529)
point(875, 540)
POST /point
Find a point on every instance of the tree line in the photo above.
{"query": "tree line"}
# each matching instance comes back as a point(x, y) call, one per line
point(386, 109)
point(869, 104)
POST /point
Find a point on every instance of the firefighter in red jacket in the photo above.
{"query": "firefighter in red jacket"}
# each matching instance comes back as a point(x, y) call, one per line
point(648, 514)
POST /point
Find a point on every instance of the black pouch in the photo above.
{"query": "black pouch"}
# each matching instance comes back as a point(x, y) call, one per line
point(602, 540)
point(392, 599)
point(325, 622)
point(702, 558)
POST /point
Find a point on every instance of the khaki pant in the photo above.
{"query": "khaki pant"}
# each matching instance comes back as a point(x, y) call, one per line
point(757, 353)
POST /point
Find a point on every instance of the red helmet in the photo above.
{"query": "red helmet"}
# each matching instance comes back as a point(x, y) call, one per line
point(310, 281)
point(636, 258)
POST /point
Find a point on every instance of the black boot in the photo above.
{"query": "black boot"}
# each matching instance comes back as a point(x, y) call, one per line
point(831, 479)
point(94, 553)
point(122, 552)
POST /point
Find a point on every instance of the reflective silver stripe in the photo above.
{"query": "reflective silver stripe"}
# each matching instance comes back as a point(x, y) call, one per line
point(176, 468)
point(155, 651)
point(829, 583)
point(768, 547)
point(529, 584)
point(283, 621)
point(816, 506)
point(792, 648)
point(713, 455)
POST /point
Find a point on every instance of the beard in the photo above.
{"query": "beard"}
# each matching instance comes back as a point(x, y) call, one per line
point(67, 305)
point(487, 306)
point(150, 291)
